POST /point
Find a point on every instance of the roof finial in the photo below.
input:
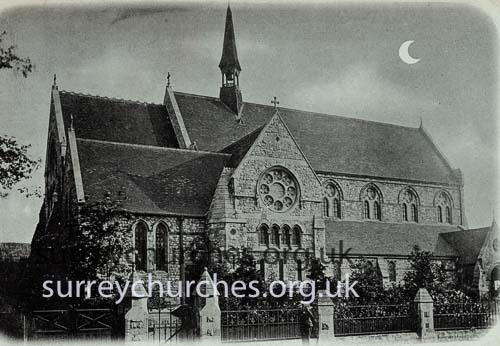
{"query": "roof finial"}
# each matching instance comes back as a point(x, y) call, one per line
point(54, 86)
point(168, 79)
point(275, 102)
point(421, 122)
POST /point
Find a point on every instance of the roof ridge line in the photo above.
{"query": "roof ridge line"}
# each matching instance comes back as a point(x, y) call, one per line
point(303, 111)
point(109, 98)
point(142, 146)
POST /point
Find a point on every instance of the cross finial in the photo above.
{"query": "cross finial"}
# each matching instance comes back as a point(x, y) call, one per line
point(168, 79)
point(275, 102)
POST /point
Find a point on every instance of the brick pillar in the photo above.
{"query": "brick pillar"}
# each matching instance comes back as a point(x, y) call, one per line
point(425, 313)
point(210, 314)
point(325, 316)
point(136, 319)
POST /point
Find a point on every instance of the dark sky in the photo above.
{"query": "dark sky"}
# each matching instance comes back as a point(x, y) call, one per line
point(336, 59)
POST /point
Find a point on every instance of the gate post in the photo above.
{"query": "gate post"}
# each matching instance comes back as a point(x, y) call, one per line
point(325, 316)
point(425, 313)
point(136, 319)
point(210, 314)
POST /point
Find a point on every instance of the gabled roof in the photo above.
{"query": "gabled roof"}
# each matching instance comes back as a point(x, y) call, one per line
point(467, 243)
point(117, 120)
point(331, 143)
point(150, 179)
point(391, 239)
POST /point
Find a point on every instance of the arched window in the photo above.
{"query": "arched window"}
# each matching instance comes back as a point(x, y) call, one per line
point(281, 268)
point(376, 211)
point(448, 214)
point(371, 203)
point(409, 200)
point(392, 271)
point(443, 207)
point(161, 247)
point(336, 208)
point(414, 213)
point(326, 207)
point(264, 235)
point(299, 270)
point(275, 235)
point(286, 236)
point(331, 202)
point(366, 210)
point(140, 242)
point(296, 236)
point(405, 212)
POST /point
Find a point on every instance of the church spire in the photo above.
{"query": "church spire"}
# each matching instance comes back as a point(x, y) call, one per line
point(230, 68)
point(229, 61)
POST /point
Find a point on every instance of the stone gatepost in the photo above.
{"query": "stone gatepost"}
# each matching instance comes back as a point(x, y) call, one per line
point(425, 313)
point(325, 315)
point(210, 314)
point(136, 319)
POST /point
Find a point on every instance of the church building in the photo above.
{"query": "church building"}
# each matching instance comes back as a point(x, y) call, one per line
point(281, 183)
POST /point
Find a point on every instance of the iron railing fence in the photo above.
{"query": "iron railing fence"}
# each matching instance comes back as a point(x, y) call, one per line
point(72, 323)
point(164, 326)
point(374, 319)
point(255, 325)
point(466, 315)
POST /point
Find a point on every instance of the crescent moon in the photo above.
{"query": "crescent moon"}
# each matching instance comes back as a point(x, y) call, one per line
point(404, 54)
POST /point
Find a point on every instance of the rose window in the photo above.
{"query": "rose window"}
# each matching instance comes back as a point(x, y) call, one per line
point(278, 189)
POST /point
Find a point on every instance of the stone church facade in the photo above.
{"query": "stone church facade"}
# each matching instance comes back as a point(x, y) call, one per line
point(280, 182)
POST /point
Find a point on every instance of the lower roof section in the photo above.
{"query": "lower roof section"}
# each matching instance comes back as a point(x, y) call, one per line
point(149, 179)
point(386, 239)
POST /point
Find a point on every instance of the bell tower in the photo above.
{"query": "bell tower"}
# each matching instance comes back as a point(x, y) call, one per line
point(229, 65)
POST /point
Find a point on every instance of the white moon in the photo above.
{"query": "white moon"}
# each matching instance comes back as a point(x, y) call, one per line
point(405, 55)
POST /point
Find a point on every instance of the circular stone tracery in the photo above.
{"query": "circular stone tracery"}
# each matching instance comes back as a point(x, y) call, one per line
point(278, 189)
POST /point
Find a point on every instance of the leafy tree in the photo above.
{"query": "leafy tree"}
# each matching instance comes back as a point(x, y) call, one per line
point(317, 273)
point(428, 273)
point(15, 165)
point(9, 59)
point(97, 244)
point(370, 285)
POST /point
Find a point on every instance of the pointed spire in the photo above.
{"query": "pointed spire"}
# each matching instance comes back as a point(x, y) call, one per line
point(229, 60)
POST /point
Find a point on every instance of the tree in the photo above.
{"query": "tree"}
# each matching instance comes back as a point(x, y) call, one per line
point(15, 164)
point(370, 285)
point(97, 244)
point(428, 273)
point(317, 273)
point(10, 60)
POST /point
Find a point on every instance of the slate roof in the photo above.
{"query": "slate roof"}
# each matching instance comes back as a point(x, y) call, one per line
point(378, 238)
point(117, 120)
point(331, 143)
point(467, 243)
point(150, 179)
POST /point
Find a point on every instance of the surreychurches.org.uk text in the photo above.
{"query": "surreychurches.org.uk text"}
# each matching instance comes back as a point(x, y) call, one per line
point(203, 288)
